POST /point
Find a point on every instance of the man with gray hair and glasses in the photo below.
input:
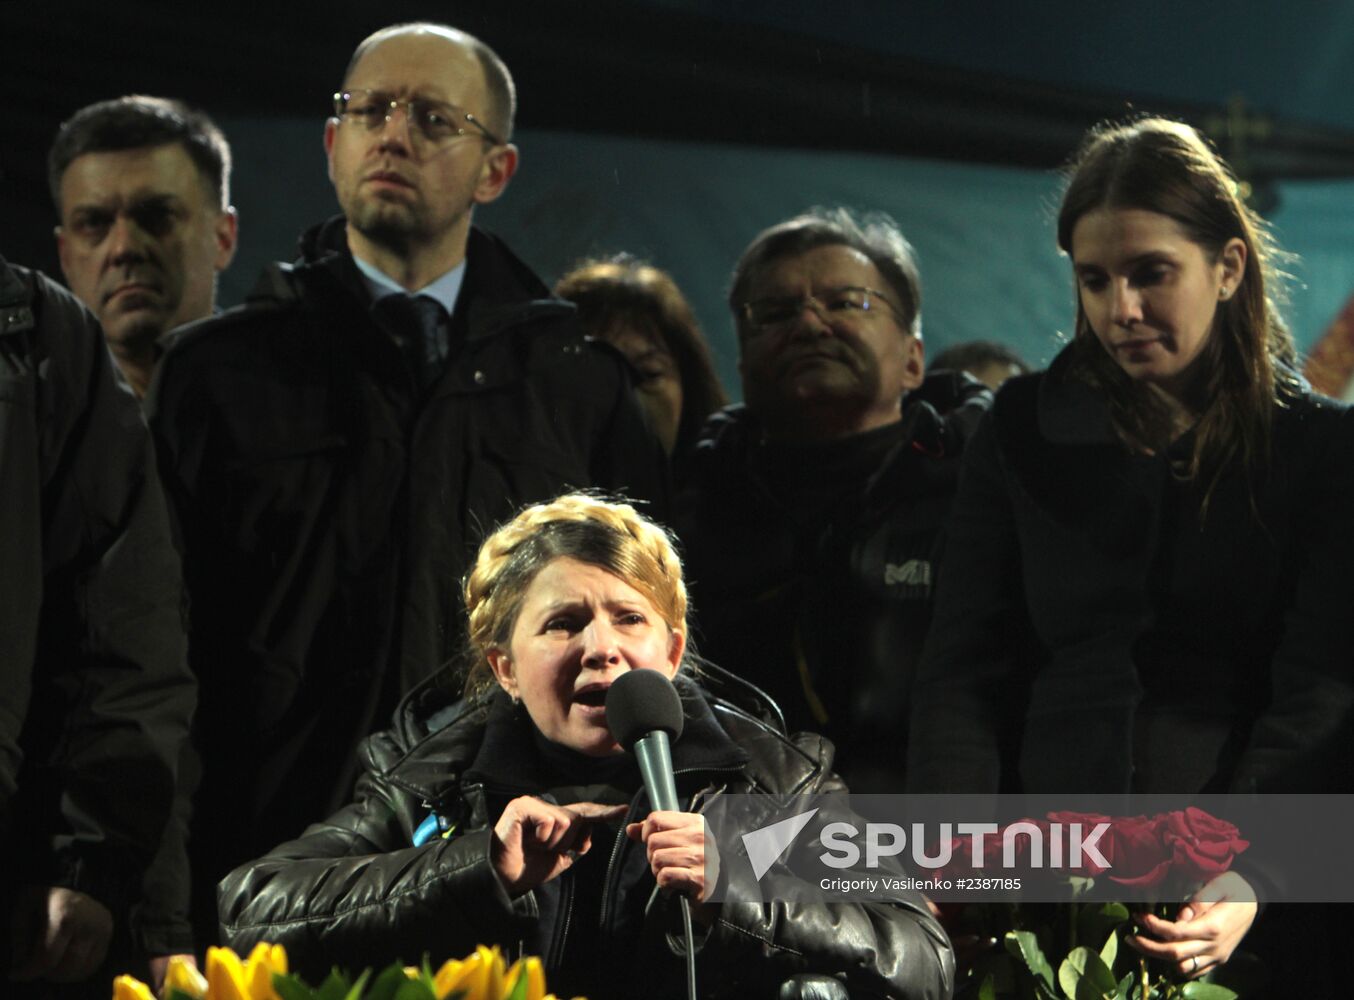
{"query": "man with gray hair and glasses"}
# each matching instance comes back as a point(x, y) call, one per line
point(811, 510)
point(335, 450)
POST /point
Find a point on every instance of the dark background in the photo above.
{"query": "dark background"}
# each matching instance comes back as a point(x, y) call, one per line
point(1011, 86)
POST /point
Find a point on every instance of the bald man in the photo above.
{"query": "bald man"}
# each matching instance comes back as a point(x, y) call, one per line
point(335, 450)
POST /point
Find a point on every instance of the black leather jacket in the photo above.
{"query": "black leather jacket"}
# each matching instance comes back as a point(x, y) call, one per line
point(352, 890)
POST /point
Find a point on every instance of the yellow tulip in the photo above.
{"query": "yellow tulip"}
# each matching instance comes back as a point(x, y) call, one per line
point(444, 981)
point(130, 988)
point(182, 976)
point(531, 968)
point(263, 961)
point(225, 975)
point(467, 975)
point(493, 961)
point(480, 975)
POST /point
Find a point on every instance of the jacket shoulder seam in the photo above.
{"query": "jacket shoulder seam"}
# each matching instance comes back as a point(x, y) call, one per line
point(746, 932)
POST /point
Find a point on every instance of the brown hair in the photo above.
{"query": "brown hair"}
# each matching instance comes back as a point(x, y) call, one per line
point(604, 533)
point(1166, 167)
point(623, 292)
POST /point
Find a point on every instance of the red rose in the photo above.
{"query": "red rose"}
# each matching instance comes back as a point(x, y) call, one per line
point(1132, 846)
point(1202, 846)
point(1137, 854)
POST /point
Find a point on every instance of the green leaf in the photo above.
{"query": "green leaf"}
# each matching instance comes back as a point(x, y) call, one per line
point(1110, 951)
point(414, 989)
point(988, 990)
point(1001, 968)
point(1024, 946)
point(1206, 991)
point(1097, 921)
point(1126, 986)
point(292, 988)
point(336, 986)
point(1082, 974)
point(390, 979)
point(1070, 971)
point(177, 994)
point(519, 990)
point(358, 987)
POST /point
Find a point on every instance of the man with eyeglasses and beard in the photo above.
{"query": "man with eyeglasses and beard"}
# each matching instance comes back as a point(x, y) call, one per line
point(335, 450)
point(811, 511)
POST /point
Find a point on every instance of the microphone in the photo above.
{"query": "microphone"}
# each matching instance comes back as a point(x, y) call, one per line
point(644, 713)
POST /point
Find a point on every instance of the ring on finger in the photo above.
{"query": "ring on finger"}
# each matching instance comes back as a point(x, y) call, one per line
point(1194, 966)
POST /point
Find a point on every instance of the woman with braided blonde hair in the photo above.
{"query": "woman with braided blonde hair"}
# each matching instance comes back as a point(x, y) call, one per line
point(511, 816)
point(609, 536)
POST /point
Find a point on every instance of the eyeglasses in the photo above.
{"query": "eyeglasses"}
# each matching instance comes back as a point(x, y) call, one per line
point(435, 121)
point(848, 305)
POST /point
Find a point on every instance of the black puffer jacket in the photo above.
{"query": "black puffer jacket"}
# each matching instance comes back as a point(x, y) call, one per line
point(352, 890)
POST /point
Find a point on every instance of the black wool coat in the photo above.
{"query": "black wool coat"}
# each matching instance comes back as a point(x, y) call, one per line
point(95, 693)
point(328, 510)
point(827, 611)
point(1093, 633)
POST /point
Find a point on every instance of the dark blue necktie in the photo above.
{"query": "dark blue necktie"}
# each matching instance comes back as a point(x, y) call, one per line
point(416, 323)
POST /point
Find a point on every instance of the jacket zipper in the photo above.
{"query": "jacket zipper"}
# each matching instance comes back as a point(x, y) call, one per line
point(567, 904)
point(611, 865)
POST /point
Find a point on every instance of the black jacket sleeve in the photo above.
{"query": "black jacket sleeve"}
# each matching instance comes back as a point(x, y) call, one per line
point(1302, 740)
point(959, 721)
point(879, 949)
point(161, 924)
point(353, 886)
point(111, 695)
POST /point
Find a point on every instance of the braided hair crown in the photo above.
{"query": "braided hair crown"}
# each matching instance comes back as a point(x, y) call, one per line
point(607, 533)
